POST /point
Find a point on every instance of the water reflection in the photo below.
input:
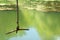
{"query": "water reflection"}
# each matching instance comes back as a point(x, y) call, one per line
point(30, 35)
point(57, 37)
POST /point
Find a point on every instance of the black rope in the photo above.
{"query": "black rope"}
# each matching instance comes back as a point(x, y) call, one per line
point(17, 19)
point(17, 11)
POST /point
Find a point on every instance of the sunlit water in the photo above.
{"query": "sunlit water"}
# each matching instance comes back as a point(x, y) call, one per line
point(30, 35)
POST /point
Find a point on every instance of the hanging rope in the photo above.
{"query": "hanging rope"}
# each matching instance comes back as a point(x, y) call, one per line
point(17, 14)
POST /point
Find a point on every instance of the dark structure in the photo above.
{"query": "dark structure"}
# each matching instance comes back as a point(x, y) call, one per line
point(17, 28)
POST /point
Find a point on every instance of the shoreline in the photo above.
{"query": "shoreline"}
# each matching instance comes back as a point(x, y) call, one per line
point(7, 7)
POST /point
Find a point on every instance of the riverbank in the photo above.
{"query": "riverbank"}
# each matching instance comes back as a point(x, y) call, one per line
point(44, 6)
point(7, 7)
